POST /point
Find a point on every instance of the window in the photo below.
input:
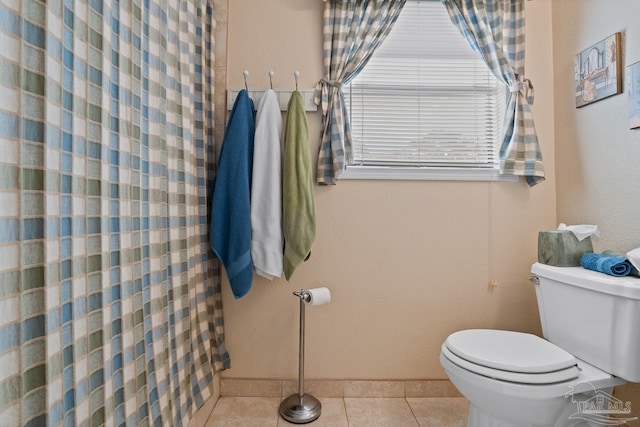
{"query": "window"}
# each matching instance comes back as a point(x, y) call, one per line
point(425, 106)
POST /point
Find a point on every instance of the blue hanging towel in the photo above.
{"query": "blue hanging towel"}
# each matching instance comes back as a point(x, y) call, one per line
point(230, 231)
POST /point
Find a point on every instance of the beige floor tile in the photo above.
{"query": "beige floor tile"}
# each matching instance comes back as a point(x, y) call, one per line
point(245, 412)
point(333, 414)
point(379, 412)
point(440, 411)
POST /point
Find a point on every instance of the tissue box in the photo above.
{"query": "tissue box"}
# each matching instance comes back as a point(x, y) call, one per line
point(562, 248)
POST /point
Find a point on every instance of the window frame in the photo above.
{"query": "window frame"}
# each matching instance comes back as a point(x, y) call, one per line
point(426, 173)
point(372, 171)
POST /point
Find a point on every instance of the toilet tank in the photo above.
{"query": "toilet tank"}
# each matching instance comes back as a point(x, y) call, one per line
point(594, 316)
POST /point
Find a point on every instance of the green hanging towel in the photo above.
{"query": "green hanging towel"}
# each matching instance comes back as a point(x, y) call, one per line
point(298, 202)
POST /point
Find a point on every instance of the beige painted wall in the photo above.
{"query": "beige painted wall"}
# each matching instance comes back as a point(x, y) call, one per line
point(598, 164)
point(407, 262)
point(598, 157)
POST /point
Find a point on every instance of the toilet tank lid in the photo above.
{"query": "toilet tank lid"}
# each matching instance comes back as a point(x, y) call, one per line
point(509, 351)
point(626, 287)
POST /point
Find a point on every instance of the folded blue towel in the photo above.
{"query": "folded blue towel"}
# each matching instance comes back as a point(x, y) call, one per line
point(613, 266)
point(634, 271)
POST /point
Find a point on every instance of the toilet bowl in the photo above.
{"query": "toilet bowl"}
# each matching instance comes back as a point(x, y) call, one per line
point(566, 379)
point(506, 391)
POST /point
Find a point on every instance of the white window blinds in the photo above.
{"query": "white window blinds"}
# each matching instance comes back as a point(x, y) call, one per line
point(425, 99)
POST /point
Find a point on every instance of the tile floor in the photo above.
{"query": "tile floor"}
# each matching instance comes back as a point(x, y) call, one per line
point(344, 412)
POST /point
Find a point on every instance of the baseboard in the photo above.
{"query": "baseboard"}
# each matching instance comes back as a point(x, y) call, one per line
point(247, 387)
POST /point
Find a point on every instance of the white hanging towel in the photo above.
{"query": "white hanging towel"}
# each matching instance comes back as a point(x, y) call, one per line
point(266, 189)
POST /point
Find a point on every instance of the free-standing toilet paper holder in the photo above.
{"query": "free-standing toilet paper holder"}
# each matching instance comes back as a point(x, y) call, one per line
point(301, 408)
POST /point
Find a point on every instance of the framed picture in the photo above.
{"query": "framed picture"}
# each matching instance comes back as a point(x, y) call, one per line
point(633, 90)
point(598, 71)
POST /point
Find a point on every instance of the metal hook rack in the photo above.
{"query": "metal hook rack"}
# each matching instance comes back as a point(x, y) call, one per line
point(284, 95)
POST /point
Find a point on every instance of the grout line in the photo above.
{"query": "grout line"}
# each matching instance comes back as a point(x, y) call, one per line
point(206, 421)
point(412, 412)
point(346, 414)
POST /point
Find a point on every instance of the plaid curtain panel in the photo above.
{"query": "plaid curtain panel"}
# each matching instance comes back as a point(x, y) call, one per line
point(495, 29)
point(110, 307)
point(353, 29)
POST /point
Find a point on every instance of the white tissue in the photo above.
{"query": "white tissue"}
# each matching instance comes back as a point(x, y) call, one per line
point(581, 231)
point(634, 257)
point(318, 296)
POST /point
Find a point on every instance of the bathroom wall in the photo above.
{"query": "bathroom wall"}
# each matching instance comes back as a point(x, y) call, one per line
point(408, 262)
point(597, 156)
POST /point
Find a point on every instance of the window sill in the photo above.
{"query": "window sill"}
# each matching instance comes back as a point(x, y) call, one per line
point(425, 173)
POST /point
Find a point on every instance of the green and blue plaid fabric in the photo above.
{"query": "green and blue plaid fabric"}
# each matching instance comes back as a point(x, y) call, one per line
point(110, 308)
point(495, 29)
point(353, 29)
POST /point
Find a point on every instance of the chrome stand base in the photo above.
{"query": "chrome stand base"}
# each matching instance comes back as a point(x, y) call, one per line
point(300, 410)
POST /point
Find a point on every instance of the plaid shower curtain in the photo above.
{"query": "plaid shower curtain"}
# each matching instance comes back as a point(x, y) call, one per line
point(109, 297)
point(495, 29)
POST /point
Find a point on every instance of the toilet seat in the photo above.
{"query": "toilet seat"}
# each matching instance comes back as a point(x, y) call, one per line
point(510, 356)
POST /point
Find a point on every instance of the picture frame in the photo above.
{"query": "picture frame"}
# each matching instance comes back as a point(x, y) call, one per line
point(633, 92)
point(598, 71)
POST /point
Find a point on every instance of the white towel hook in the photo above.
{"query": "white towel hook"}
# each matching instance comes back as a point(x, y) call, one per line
point(271, 73)
point(246, 74)
point(296, 74)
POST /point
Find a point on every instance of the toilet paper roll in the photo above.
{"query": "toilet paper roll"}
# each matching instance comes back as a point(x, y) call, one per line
point(317, 296)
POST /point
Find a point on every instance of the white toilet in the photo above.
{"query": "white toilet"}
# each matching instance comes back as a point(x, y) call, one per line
point(591, 323)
